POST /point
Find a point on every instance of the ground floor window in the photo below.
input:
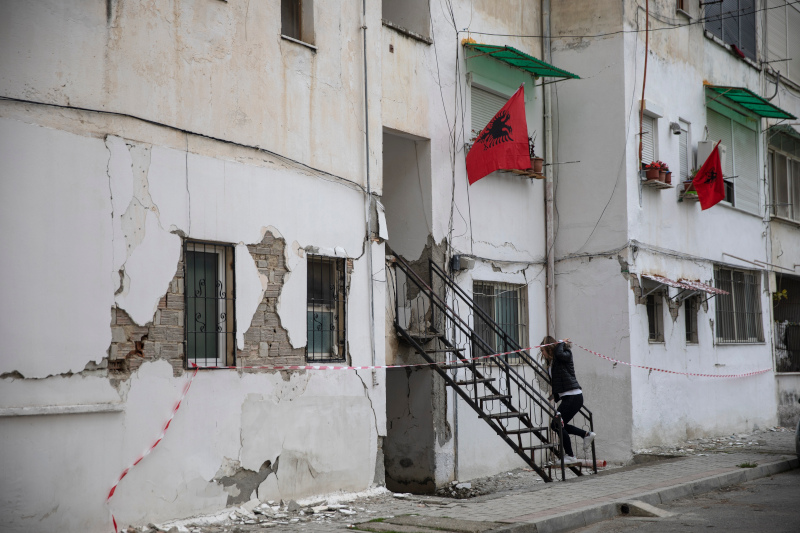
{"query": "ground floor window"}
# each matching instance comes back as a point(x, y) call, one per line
point(326, 309)
point(691, 306)
point(738, 314)
point(786, 311)
point(655, 316)
point(506, 304)
point(210, 304)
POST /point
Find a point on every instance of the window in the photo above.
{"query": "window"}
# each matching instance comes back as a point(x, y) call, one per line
point(297, 20)
point(507, 305)
point(733, 21)
point(691, 306)
point(411, 15)
point(683, 151)
point(649, 139)
point(784, 170)
point(740, 143)
point(783, 38)
point(786, 310)
point(210, 310)
point(655, 316)
point(738, 314)
point(484, 107)
point(680, 5)
point(326, 299)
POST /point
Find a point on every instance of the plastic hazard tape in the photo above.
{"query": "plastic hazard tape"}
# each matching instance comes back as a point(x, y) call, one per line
point(152, 446)
point(291, 367)
point(674, 371)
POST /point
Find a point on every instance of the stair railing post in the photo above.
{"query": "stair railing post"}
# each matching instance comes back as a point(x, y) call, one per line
point(560, 426)
point(594, 456)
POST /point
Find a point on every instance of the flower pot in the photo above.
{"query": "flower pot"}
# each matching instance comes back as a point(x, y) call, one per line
point(662, 175)
point(668, 177)
point(537, 164)
point(652, 173)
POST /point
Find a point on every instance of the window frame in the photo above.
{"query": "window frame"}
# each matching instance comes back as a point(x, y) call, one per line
point(691, 310)
point(302, 22)
point(654, 305)
point(792, 161)
point(522, 326)
point(337, 308)
point(653, 136)
point(715, 13)
point(731, 304)
point(225, 299)
point(737, 119)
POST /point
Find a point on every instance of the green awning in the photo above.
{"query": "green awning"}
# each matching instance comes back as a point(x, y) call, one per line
point(520, 60)
point(751, 101)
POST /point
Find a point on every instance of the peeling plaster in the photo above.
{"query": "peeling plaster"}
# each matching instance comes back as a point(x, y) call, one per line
point(250, 288)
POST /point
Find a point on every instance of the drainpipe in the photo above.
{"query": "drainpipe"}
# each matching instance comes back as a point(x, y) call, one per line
point(550, 290)
point(368, 208)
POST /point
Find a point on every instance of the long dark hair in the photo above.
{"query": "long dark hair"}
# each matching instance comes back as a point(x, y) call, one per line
point(547, 351)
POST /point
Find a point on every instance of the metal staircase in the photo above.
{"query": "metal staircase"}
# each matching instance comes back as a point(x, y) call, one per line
point(440, 321)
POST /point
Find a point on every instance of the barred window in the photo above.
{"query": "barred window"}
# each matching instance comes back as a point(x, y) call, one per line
point(655, 316)
point(691, 306)
point(210, 304)
point(326, 307)
point(738, 314)
point(733, 21)
point(786, 312)
point(507, 305)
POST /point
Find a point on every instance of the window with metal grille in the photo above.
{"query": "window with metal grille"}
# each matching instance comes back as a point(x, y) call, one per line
point(210, 304)
point(733, 21)
point(738, 314)
point(786, 311)
point(297, 20)
point(783, 37)
point(784, 171)
point(505, 304)
point(326, 308)
point(655, 316)
point(741, 164)
point(691, 306)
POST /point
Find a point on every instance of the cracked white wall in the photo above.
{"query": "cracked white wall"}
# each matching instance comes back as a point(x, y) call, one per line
point(65, 257)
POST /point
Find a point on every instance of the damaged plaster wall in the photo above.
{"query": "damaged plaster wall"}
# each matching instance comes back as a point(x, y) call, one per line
point(137, 350)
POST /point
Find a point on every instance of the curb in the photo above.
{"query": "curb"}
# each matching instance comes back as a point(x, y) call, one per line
point(596, 513)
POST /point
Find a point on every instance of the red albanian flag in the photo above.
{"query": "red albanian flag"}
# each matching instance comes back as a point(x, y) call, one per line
point(503, 143)
point(708, 182)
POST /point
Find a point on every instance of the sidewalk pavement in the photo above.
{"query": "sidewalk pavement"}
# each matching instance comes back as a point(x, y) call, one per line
point(581, 501)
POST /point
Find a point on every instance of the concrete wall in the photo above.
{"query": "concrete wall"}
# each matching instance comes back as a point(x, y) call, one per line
point(99, 204)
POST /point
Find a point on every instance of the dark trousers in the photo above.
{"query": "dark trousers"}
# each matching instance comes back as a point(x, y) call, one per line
point(569, 407)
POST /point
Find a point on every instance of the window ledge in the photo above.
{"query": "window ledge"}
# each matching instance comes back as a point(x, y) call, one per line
point(756, 343)
point(684, 13)
point(61, 409)
point(650, 341)
point(727, 47)
point(298, 41)
point(778, 373)
point(739, 209)
point(407, 33)
point(776, 218)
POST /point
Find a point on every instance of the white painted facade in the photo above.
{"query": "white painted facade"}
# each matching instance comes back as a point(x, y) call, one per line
point(177, 120)
point(128, 128)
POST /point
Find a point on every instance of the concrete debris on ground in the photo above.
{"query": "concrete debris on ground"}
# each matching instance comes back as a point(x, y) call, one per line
point(340, 512)
point(758, 440)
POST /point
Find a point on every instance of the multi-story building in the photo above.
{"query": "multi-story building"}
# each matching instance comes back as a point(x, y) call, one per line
point(231, 186)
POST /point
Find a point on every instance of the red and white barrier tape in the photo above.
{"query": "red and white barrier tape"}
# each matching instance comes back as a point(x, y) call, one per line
point(152, 446)
point(674, 371)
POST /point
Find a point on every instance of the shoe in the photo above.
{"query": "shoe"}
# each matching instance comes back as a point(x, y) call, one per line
point(570, 460)
point(587, 440)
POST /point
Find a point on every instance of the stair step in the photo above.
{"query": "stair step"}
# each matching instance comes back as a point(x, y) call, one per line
point(425, 336)
point(475, 381)
point(524, 430)
point(492, 397)
point(445, 350)
point(540, 447)
point(506, 415)
point(456, 365)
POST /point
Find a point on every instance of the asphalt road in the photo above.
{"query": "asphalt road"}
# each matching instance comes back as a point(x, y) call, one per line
point(770, 504)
